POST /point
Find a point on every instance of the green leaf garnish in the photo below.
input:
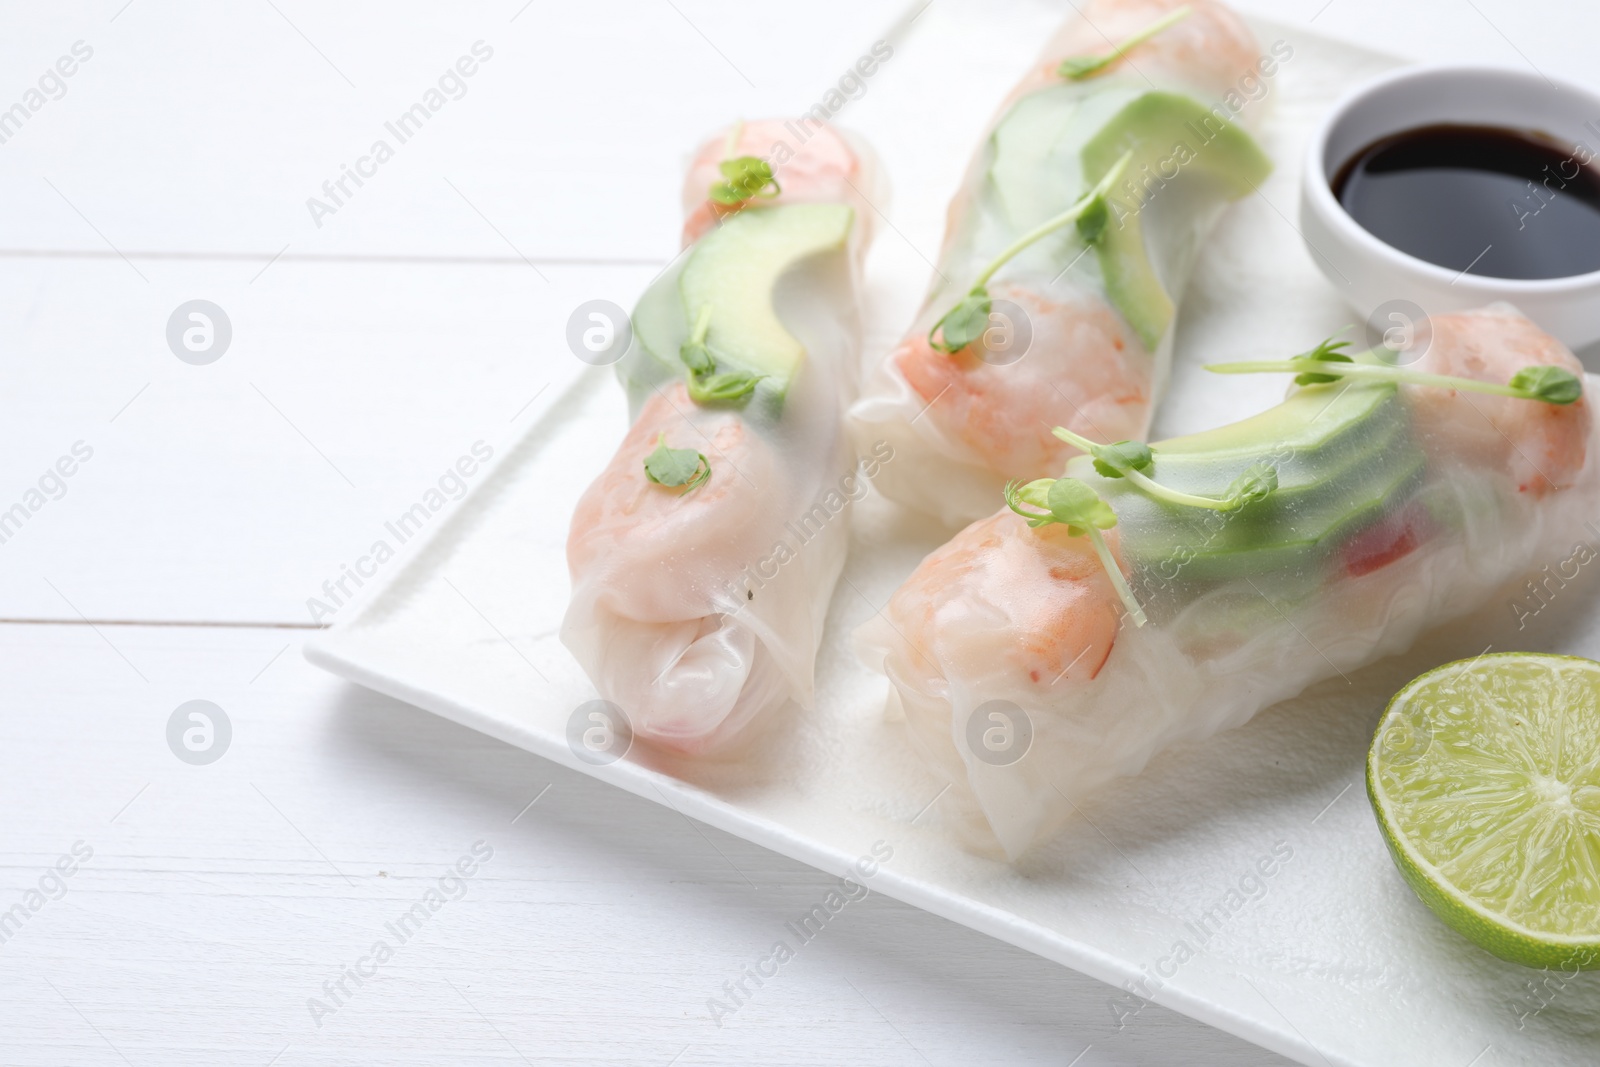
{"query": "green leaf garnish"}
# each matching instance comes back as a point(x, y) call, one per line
point(1257, 481)
point(724, 388)
point(1111, 460)
point(744, 178)
point(1079, 67)
point(1078, 507)
point(1033, 493)
point(676, 466)
point(965, 323)
point(962, 324)
point(1326, 363)
point(1329, 351)
point(697, 357)
point(1073, 504)
point(706, 385)
point(1553, 385)
point(694, 353)
point(1092, 223)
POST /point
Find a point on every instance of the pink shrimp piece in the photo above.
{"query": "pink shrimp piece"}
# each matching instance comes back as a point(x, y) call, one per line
point(624, 521)
point(1541, 445)
point(811, 162)
point(1084, 369)
point(1211, 50)
point(978, 608)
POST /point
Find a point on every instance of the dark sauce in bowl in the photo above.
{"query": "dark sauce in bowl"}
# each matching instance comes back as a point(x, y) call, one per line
point(1485, 200)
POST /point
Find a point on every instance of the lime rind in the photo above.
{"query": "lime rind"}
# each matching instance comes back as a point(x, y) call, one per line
point(1484, 775)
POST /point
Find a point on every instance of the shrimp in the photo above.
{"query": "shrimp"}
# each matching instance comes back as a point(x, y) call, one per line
point(1034, 606)
point(1211, 52)
point(1002, 409)
point(625, 523)
point(811, 162)
point(1540, 444)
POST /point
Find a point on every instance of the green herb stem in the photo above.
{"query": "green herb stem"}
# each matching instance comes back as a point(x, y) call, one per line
point(702, 326)
point(1049, 226)
point(969, 318)
point(1149, 485)
point(1176, 496)
point(1118, 582)
point(1078, 67)
point(1078, 441)
point(1073, 504)
point(1376, 372)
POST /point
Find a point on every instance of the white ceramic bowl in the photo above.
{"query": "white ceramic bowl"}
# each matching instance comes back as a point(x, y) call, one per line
point(1374, 277)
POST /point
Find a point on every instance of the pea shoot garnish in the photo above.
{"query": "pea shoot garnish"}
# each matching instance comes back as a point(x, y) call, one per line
point(966, 322)
point(1073, 504)
point(744, 178)
point(1079, 67)
point(1328, 363)
point(675, 467)
point(706, 384)
point(1130, 459)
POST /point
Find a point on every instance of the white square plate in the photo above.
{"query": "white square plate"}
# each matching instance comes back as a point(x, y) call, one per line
point(1159, 889)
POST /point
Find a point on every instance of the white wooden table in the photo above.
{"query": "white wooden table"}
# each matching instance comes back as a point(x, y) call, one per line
point(209, 906)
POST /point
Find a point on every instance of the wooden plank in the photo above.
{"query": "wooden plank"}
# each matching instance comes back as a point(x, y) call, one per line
point(220, 898)
point(206, 128)
point(232, 491)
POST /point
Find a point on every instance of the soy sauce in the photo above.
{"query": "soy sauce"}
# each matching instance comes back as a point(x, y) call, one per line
point(1486, 200)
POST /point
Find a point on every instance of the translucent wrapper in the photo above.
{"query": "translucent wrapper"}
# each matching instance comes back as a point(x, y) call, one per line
point(1078, 337)
point(1398, 508)
point(694, 610)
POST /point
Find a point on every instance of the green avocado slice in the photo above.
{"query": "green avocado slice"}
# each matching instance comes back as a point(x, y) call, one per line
point(1345, 459)
point(1054, 144)
point(734, 270)
point(1173, 138)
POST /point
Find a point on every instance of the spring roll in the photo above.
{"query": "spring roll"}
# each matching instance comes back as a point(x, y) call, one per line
point(1014, 340)
point(1389, 508)
point(703, 557)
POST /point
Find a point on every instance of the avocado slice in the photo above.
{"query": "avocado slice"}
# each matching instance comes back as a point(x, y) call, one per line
point(1345, 458)
point(734, 269)
point(1054, 144)
point(1035, 172)
point(1173, 138)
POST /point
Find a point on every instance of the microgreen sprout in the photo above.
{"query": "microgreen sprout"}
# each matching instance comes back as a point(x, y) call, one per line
point(965, 323)
point(1327, 363)
point(694, 353)
point(706, 385)
point(1129, 459)
point(727, 387)
point(743, 179)
point(674, 467)
point(1073, 504)
point(1079, 67)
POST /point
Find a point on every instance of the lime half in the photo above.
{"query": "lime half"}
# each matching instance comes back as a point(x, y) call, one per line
point(1485, 777)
